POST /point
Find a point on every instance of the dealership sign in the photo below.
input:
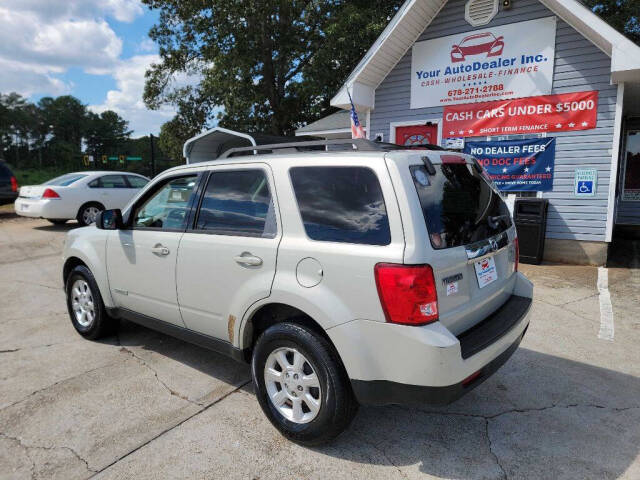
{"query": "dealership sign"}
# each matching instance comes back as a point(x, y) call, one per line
point(517, 165)
point(510, 61)
point(543, 114)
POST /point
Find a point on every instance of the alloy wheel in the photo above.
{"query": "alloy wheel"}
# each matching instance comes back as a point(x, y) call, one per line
point(89, 215)
point(82, 303)
point(292, 385)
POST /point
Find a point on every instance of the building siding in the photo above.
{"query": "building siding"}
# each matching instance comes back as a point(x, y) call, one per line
point(579, 66)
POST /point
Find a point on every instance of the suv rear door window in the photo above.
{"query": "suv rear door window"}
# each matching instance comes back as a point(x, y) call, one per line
point(238, 202)
point(341, 204)
point(459, 205)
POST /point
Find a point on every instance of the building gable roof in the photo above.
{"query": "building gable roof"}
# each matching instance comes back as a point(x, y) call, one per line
point(416, 15)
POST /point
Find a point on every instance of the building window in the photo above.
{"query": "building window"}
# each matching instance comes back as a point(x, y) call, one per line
point(480, 12)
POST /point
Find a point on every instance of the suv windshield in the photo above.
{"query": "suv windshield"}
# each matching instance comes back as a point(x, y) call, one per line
point(65, 180)
point(459, 205)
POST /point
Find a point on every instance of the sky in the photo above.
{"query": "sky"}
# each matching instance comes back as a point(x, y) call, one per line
point(95, 50)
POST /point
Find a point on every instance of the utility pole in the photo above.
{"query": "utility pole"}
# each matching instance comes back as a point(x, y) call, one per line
point(153, 157)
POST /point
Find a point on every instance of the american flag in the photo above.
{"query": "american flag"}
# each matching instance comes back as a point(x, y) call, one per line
point(356, 129)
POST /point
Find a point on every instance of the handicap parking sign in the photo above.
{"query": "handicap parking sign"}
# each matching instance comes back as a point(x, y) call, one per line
point(585, 187)
point(585, 182)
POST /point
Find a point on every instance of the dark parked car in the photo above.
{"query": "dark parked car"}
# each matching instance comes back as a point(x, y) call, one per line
point(8, 185)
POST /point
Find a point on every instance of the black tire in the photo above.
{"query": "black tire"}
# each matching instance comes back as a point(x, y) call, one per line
point(57, 221)
point(81, 212)
point(102, 324)
point(338, 405)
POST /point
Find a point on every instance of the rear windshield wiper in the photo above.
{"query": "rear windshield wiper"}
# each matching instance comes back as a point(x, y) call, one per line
point(431, 170)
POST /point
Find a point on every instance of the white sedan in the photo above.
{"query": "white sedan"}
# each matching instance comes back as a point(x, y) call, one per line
point(79, 195)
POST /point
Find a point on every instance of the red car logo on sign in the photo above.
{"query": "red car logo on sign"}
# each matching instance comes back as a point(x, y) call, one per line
point(477, 44)
point(485, 264)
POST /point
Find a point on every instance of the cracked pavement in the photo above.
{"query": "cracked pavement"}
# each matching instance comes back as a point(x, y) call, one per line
point(145, 405)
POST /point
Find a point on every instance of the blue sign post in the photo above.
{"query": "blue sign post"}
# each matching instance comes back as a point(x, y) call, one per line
point(517, 165)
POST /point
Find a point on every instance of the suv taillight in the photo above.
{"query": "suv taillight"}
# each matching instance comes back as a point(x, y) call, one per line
point(517, 259)
point(14, 184)
point(407, 293)
point(48, 193)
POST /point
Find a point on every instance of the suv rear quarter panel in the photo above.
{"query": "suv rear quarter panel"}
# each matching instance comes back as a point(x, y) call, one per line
point(347, 290)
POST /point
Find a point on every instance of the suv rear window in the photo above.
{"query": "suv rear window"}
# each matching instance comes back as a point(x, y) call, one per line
point(341, 204)
point(459, 205)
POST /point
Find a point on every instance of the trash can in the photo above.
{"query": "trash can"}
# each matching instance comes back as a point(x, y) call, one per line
point(530, 216)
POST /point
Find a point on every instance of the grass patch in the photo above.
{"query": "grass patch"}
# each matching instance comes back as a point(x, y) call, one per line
point(36, 177)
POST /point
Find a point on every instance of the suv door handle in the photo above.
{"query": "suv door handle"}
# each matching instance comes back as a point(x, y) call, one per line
point(247, 258)
point(160, 249)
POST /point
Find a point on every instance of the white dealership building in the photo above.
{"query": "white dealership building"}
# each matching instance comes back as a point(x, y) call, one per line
point(463, 72)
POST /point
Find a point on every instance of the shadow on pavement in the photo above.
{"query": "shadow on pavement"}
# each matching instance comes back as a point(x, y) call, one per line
point(208, 362)
point(540, 416)
point(7, 215)
point(65, 227)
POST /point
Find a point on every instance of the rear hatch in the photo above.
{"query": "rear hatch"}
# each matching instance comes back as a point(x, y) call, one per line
point(471, 235)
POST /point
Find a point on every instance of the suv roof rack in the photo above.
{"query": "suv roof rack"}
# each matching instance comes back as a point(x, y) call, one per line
point(358, 144)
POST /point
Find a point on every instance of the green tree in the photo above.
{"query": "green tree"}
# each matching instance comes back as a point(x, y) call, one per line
point(267, 66)
point(14, 126)
point(53, 131)
point(106, 133)
point(67, 115)
point(623, 15)
point(173, 134)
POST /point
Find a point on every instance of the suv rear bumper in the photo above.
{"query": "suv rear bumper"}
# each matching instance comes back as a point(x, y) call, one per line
point(390, 363)
point(384, 392)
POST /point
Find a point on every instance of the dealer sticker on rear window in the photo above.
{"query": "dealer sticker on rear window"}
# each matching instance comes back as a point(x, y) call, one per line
point(486, 271)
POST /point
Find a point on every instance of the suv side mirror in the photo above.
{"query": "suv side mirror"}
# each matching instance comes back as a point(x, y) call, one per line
point(109, 220)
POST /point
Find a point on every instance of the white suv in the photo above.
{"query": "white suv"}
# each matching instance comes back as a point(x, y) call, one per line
point(372, 276)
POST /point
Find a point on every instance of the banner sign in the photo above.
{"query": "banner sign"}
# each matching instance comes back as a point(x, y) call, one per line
point(509, 61)
point(547, 113)
point(517, 165)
